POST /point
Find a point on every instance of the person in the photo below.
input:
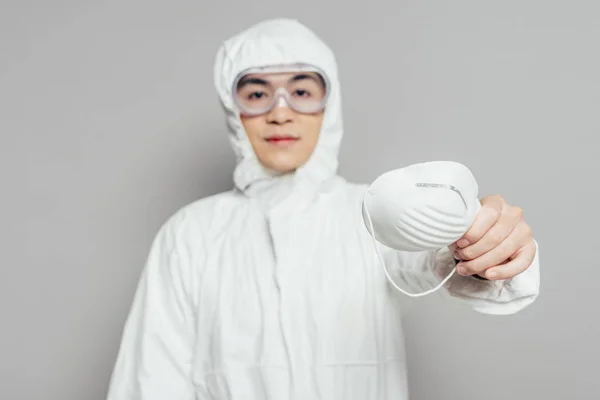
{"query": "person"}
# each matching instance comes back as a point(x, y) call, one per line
point(273, 290)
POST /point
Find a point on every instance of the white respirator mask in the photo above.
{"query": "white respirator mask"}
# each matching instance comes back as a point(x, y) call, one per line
point(421, 207)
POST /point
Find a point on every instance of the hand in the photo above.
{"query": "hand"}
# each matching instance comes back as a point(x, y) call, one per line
point(499, 244)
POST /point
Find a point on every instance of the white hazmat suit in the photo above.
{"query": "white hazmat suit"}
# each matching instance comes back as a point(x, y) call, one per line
point(273, 290)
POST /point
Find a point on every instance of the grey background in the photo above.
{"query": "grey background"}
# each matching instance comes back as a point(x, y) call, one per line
point(109, 123)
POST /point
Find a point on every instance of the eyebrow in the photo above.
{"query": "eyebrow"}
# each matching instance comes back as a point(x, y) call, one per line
point(251, 81)
point(262, 82)
point(301, 77)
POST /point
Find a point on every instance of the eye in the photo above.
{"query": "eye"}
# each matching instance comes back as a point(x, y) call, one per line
point(257, 95)
point(302, 93)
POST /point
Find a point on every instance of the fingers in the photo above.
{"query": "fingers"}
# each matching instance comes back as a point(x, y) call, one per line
point(507, 221)
point(519, 237)
point(499, 244)
point(519, 264)
point(485, 219)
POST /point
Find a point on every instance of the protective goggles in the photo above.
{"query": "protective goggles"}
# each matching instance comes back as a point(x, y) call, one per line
point(301, 87)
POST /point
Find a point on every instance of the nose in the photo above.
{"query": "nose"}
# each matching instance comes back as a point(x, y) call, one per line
point(280, 113)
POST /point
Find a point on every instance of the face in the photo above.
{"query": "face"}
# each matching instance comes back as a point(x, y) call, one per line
point(283, 137)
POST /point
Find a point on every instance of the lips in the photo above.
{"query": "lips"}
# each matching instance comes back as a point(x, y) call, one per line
point(281, 139)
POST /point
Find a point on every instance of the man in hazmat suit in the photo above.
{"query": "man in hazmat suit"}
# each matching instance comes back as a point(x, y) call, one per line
point(275, 290)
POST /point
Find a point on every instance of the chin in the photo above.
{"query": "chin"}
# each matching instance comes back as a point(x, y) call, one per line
point(284, 169)
point(284, 166)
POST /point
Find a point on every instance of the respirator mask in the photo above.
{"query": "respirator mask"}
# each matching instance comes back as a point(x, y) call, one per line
point(421, 207)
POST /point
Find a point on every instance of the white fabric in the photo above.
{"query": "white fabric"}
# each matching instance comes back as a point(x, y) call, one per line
point(273, 291)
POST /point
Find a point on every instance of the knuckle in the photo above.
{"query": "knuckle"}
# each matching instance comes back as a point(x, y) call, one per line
point(472, 267)
point(472, 236)
point(495, 237)
point(477, 269)
point(497, 197)
point(517, 212)
point(528, 231)
point(500, 201)
point(468, 269)
point(494, 214)
point(467, 253)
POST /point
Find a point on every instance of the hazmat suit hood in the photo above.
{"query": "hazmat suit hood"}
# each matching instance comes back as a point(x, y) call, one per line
point(274, 42)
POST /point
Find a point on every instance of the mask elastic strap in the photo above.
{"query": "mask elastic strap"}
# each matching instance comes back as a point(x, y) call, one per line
point(386, 271)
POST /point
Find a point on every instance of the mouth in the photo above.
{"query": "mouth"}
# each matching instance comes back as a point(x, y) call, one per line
point(281, 139)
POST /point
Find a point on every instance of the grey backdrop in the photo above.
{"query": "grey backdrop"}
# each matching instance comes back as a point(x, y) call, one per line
point(109, 123)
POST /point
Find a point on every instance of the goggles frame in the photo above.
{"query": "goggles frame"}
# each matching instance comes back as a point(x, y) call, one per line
point(281, 93)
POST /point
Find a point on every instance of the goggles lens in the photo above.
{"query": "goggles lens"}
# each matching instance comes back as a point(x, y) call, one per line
point(304, 91)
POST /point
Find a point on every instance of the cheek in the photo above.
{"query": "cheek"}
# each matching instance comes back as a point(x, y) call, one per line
point(312, 126)
point(253, 127)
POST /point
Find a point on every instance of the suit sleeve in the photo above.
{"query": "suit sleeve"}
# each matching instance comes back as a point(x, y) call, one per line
point(155, 354)
point(420, 271)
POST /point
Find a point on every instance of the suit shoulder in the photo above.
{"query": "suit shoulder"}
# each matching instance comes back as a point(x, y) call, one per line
point(198, 213)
